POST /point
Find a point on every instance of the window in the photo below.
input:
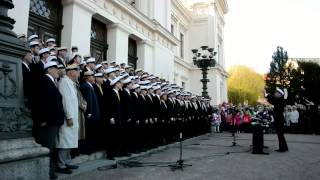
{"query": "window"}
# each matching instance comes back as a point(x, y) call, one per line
point(45, 19)
point(181, 45)
point(131, 2)
point(219, 55)
point(172, 29)
point(132, 53)
point(183, 85)
point(98, 44)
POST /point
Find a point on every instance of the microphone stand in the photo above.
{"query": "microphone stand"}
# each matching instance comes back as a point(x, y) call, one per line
point(180, 162)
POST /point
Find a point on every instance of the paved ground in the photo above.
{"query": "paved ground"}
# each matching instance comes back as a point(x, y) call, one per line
point(213, 157)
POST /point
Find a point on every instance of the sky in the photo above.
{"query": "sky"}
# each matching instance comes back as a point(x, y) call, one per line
point(254, 28)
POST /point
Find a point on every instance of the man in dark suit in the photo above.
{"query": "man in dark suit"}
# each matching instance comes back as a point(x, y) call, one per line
point(109, 75)
point(170, 108)
point(114, 118)
point(51, 113)
point(158, 124)
point(27, 81)
point(143, 119)
point(127, 115)
point(38, 68)
point(93, 112)
point(100, 96)
point(150, 116)
point(136, 118)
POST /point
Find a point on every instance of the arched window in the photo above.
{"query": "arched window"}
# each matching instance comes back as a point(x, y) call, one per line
point(45, 19)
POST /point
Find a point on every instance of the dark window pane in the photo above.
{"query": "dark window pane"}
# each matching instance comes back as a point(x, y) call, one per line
point(49, 9)
point(181, 45)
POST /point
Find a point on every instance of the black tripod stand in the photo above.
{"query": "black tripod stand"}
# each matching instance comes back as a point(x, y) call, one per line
point(180, 162)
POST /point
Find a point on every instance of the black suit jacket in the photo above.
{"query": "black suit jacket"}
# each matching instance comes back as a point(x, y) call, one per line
point(100, 99)
point(126, 105)
point(38, 70)
point(135, 107)
point(163, 112)
point(156, 106)
point(279, 104)
point(49, 105)
point(92, 101)
point(149, 107)
point(26, 84)
point(170, 108)
point(114, 108)
point(143, 107)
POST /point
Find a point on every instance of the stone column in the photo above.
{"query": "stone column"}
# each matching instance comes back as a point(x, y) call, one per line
point(76, 22)
point(20, 157)
point(145, 55)
point(118, 38)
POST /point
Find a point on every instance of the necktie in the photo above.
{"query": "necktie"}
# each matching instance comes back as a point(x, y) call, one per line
point(118, 96)
point(100, 89)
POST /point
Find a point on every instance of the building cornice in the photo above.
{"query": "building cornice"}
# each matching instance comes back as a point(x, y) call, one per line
point(151, 24)
point(182, 9)
point(81, 3)
point(224, 6)
point(181, 62)
point(120, 26)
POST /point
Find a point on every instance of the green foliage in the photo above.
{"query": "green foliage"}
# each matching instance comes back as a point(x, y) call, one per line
point(302, 79)
point(309, 75)
point(277, 76)
point(244, 85)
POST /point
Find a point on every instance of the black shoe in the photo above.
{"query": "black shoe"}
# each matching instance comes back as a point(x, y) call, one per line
point(72, 167)
point(53, 176)
point(63, 171)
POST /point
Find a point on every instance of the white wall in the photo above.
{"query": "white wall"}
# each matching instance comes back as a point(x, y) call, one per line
point(20, 13)
point(198, 36)
point(161, 12)
point(145, 55)
point(163, 62)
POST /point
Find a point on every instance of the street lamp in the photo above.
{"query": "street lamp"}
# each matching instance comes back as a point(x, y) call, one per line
point(204, 58)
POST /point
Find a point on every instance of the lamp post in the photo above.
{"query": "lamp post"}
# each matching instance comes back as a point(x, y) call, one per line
point(204, 58)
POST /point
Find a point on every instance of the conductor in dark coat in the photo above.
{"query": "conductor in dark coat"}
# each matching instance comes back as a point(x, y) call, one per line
point(278, 101)
point(51, 113)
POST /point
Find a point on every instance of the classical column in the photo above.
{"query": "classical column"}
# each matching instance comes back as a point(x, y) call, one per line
point(20, 156)
point(145, 56)
point(118, 38)
point(76, 22)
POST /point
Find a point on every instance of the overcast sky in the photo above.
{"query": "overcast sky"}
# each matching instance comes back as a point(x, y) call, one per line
point(254, 28)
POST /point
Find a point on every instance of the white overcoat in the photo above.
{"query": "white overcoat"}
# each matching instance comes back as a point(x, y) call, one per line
point(68, 136)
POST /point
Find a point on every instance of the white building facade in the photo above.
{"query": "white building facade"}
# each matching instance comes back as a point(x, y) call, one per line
point(154, 35)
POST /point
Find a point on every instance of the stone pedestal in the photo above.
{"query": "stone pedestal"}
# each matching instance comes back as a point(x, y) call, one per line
point(23, 159)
